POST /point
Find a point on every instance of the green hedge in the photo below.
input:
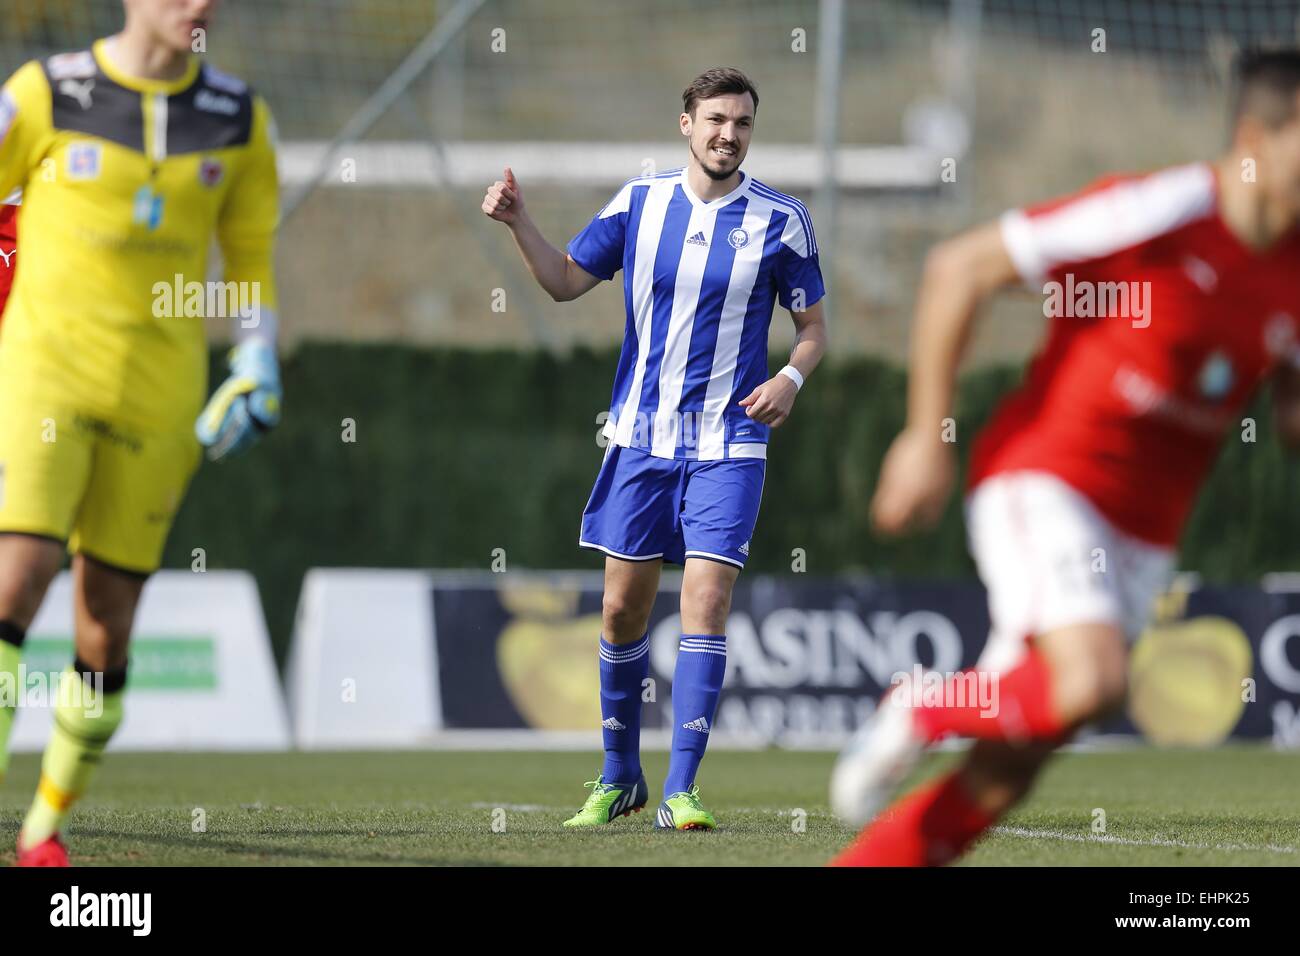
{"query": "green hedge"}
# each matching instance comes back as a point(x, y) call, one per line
point(458, 453)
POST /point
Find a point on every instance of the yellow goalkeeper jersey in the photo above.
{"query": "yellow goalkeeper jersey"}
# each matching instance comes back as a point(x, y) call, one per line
point(125, 183)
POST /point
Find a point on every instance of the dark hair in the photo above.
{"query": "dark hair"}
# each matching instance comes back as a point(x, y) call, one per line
point(1267, 82)
point(715, 82)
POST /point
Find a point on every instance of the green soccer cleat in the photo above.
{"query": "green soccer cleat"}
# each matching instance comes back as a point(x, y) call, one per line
point(682, 811)
point(608, 801)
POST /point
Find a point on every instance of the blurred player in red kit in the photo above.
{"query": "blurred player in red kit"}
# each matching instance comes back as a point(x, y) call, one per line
point(1172, 297)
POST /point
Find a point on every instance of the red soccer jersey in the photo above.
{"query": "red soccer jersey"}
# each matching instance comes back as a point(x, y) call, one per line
point(8, 243)
point(1130, 409)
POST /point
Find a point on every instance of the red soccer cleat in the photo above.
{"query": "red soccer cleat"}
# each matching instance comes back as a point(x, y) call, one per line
point(49, 852)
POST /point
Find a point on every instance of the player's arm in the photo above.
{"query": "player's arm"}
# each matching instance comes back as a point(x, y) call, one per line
point(1286, 405)
point(772, 401)
point(24, 126)
point(555, 271)
point(797, 274)
point(919, 468)
point(248, 402)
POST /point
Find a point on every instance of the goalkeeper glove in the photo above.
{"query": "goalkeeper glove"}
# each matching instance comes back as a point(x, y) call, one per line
point(246, 404)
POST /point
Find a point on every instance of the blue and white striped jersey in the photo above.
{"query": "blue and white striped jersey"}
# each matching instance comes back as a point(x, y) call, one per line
point(699, 283)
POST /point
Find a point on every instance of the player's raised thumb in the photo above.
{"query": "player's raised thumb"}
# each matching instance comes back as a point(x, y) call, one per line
point(510, 178)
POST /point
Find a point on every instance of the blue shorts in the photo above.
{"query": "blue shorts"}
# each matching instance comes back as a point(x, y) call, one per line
point(643, 507)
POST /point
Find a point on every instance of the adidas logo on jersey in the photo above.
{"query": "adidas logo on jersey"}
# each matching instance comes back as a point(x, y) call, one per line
point(744, 549)
point(697, 239)
point(613, 723)
point(699, 724)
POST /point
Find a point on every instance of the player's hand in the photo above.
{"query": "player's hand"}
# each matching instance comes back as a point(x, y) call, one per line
point(504, 201)
point(771, 402)
point(915, 481)
point(246, 405)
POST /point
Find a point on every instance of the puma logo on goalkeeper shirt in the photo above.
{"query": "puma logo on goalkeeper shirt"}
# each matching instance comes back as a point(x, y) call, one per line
point(78, 91)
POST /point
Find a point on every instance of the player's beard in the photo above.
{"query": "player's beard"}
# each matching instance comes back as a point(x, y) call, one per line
point(716, 175)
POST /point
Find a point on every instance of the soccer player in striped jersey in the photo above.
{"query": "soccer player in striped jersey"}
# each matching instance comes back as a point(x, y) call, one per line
point(131, 156)
point(1082, 482)
point(706, 252)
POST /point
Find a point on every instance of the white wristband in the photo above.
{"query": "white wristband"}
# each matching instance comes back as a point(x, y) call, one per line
point(793, 375)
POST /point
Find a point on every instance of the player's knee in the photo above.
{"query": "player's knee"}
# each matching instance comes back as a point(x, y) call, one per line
point(708, 604)
point(1098, 684)
point(623, 620)
point(104, 622)
point(24, 579)
point(20, 599)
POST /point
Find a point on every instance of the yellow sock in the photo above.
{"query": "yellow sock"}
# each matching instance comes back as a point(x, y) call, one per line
point(84, 722)
point(10, 657)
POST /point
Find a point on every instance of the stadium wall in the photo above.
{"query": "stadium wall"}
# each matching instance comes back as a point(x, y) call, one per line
point(400, 457)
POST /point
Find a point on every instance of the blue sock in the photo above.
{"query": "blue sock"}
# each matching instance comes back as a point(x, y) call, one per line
point(622, 669)
point(697, 683)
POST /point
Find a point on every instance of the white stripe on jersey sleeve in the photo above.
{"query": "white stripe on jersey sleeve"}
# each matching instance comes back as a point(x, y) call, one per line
point(622, 201)
point(1117, 217)
point(795, 236)
point(798, 233)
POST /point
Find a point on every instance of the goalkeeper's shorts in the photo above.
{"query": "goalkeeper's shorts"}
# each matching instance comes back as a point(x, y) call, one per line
point(109, 491)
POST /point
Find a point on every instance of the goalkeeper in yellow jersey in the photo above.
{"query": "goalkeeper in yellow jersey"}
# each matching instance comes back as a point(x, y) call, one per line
point(131, 157)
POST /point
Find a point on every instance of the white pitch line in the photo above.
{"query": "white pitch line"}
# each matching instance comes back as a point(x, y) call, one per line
point(1125, 841)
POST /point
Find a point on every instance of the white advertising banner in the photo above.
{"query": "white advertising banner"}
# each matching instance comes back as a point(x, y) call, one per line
point(202, 675)
point(362, 668)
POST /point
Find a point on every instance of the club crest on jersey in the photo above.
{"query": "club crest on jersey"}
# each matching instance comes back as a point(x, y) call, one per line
point(738, 238)
point(211, 172)
point(83, 161)
point(147, 208)
point(1216, 377)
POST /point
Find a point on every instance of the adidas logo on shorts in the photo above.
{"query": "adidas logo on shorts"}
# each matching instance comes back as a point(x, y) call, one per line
point(613, 723)
point(699, 723)
point(744, 549)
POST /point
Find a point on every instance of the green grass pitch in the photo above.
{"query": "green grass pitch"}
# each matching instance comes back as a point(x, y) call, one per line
point(1234, 806)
